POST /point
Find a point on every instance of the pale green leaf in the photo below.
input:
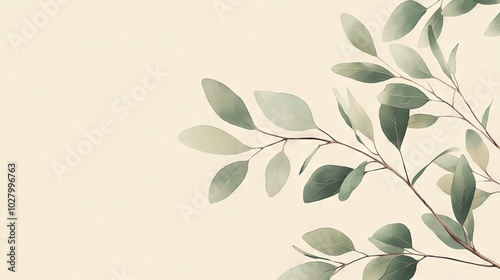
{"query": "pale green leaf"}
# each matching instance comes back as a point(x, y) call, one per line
point(488, 2)
point(494, 27)
point(410, 61)
point(227, 180)
point(377, 267)
point(433, 224)
point(358, 117)
point(310, 271)
point(329, 241)
point(447, 162)
point(469, 226)
point(363, 72)
point(458, 7)
point(392, 238)
point(402, 96)
point(352, 181)
point(308, 159)
point(402, 20)
point(436, 21)
point(213, 140)
point(343, 108)
point(309, 255)
point(477, 149)
point(419, 173)
point(486, 116)
point(444, 183)
point(394, 122)
point(438, 54)
point(480, 196)
point(277, 172)
point(463, 188)
point(421, 120)
point(325, 182)
point(285, 110)
point(358, 34)
point(452, 60)
point(227, 104)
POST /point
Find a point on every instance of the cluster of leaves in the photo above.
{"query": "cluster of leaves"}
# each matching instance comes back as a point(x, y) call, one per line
point(398, 100)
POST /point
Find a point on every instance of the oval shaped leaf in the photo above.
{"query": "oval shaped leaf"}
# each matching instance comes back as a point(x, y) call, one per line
point(310, 271)
point(447, 162)
point(480, 196)
point(452, 60)
point(458, 7)
point(377, 267)
point(358, 117)
point(494, 27)
point(463, 188)
point(402, 96)
point(486, 116)
point(394, 122)
point(308, 159)
point(342, 107)
point(419, 173)
point(392, 238)
point(325, 182)
point(433, 224)
point(277, 173)
point(438, 54)
point(363, 72)
point(285, 110)
point(329, 241)
point(402, 20)
point(421, 120)
point(436, 21)
point(358, 34)
point(227, 180)
point(410, 61)
point(400, 268)
point(309, 255)
point(477, 149)
point(352, 181)
point(229, 106)
point(210, 139)
point(469, 226)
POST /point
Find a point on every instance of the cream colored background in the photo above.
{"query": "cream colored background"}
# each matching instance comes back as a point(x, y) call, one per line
point(119, 210)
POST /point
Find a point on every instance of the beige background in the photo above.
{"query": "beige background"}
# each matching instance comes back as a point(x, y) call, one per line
point(117, 214)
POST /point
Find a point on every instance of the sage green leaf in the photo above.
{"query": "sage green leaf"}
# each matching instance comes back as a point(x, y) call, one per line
point(342, 106)
point(277, 172)
point(480, 196)
point(402, 20)
point(421, 120)
point(227, 104)
point(469, 226)
point(436, 21)
point(352, 181)
point(463, 188)
point(486, 116)
point(392, 238)
point(325, 182)
point(400, 268)
point(363, 72)
point(433, 224)
point(444, 183)
point(358, 117)
point(419, 173)
point(310, 271)
point(309, 255)
point(494, 27)
point(447, 162)
point(227, 180)
point(358, 34)
point(452, 60)
point(438, 54)
point(488, 2)
point(410, 61)
point(477, 149)
point(394, 122)
point(285, 110)
point(402, 96)
point(377, 267)
point(308, 159)
point(213, 140)
point(458, 7)
point(329, 241)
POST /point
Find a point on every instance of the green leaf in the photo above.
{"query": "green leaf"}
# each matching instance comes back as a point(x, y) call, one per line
point(210, 139)
point(227, 180)
point(358, 117)
point(480, 196)
point(402, 96)
point(436, 21)
point(310, 271)
point(392, 238)
point(494, 27)
point(394, 122)
point(400, 268)
point(352, 181)
point(325, 182)
point(358, 34)
point(402, 20)
point(410, 61)
point(488, 2)
point(329, 241)
point(447, 162)
point(277, 172)
point(342, 107)
point(444, 183)
point(486, 116)
point(363, 72)
point(463, 188)
point(458, 7)
point(377, 267)
point(227, 104)
point(469, 226)
point(308, 159)
point(309, 255)
point(438, 54)
point(477, 149)
point(433, 224)
point(285, 110)
point(452, 60)
point(421, 120)
point(419, 173)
